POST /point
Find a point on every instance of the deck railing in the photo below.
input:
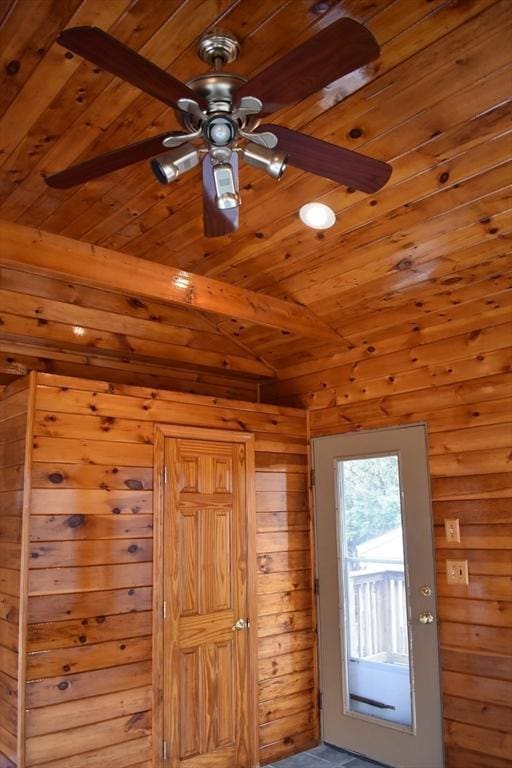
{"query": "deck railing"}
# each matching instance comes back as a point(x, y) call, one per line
point(378, 623)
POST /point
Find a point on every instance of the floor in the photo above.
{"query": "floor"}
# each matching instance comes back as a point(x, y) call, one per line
point(323, 757)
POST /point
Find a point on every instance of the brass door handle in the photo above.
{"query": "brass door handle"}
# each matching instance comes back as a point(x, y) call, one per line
point(426, 618)
point(241, 624)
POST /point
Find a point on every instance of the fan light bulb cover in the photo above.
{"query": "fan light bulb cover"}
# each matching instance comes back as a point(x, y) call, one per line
point(220, 133)
point(219, 130)
point(317, 216)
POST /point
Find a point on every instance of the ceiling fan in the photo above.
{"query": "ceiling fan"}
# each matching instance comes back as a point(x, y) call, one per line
point(222, 112)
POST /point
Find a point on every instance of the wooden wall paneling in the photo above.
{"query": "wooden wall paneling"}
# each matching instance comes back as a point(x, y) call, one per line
point(470, 434)
point(91, 570)
point(20, 358)
point(99, 589)
point(55, 323)
point(413, 279)
point(24, 560)
point(106, 319)
point(287, 679)
point(16, 419)
point(12, 504)
point(157, 628)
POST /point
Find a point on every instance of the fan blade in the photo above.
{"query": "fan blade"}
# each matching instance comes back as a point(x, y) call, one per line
point(337, 50)
point(216, 222)
point(110, 54)
point(337, 163)
point(110, 161)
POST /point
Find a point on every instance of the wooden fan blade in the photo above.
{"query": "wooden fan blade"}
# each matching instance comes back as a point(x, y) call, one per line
point(217, 223)
point(335, 51)
point(110, 161)
point(110, 54)
point(337, 163)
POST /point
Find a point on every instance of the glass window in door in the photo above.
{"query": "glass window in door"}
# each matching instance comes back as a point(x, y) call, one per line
point(373, 581)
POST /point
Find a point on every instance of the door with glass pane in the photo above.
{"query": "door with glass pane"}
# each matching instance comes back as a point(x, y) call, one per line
point(379, 667)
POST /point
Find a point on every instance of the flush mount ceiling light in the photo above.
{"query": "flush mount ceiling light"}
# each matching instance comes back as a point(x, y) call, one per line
point(220, 114)
point(317, 216)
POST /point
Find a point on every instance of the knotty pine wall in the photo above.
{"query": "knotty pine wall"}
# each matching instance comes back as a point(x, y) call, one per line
point(90, 571)
point(461, 388)
point(14, 406)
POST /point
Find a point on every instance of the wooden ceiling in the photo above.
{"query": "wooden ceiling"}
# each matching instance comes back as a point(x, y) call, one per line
point(397, 269)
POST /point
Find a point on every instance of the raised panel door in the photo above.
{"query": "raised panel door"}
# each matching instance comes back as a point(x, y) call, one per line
point(207, 699)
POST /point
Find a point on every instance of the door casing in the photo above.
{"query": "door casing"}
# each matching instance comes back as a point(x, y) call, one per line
point(163, 431)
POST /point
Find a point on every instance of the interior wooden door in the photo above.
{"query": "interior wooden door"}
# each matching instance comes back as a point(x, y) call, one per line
point(208, 714)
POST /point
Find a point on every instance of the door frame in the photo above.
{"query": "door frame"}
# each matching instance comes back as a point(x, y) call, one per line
point(161, 432)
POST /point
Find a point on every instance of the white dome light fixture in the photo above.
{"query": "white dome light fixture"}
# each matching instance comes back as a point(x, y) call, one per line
point(317, 216)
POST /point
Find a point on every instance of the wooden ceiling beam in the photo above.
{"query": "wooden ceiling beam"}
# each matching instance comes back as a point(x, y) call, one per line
point(33, 250)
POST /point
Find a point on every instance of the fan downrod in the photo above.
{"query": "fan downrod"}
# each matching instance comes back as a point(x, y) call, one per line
point(218, 47)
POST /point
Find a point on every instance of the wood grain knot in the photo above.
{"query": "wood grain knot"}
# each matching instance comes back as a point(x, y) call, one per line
point(134, 485)
point(136, 303)
point(320, 7)
point(75, 521)
point(13, 67)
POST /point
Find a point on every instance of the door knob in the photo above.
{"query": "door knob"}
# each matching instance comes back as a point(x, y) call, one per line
point(426, 618)
point(241, 624)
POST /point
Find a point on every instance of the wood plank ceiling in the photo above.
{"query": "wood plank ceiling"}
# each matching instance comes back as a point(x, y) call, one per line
point(399, 266)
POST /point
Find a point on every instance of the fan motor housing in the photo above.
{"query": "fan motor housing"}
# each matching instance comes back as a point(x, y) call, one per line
point(217, 87)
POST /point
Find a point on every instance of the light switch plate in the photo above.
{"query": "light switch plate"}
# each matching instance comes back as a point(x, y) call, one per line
point(452, 530)
point(457, 572)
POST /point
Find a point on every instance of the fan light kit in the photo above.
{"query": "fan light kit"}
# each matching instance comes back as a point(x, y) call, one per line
point(317, 216)
point(220, 114)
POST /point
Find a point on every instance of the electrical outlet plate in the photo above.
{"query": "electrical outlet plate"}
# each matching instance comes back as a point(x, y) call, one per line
point(452, 530)
point(457, 572)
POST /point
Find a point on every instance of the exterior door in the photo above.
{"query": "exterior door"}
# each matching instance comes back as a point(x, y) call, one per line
point(379, 667)
point(208, 710)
